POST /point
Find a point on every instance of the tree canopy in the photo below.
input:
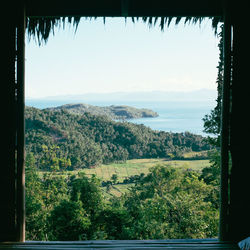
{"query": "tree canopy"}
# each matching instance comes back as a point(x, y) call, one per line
point(87, 140)
point(165, 203)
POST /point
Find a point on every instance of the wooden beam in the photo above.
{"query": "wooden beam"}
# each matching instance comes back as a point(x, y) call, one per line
point(239, 210)
point(20, 71)
point(224, 199)
point(12, 153)
point(115, 8)
point(7, 165)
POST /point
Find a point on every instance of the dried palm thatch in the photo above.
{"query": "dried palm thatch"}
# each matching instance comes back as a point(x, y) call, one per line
point(41, 28)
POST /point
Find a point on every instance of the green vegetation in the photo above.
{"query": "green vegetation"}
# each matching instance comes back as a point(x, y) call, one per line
point(117, 178)
point(125, 181)
point(138, 166)
point(212, 121)
point(89, 177)
point(121, 112)
point(165, 202)
point(87, 140)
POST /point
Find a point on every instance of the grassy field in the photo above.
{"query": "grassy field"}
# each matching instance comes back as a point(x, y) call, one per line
point(116, 190)
point(138, 166)
point(134, 167)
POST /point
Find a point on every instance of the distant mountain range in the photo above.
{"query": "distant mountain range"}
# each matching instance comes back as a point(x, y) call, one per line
point(121, 112)
point(146, 96)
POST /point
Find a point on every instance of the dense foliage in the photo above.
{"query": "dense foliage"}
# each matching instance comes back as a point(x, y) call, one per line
point(212, 126)
point(87, 140)
point(212, 121)
point(166, 203)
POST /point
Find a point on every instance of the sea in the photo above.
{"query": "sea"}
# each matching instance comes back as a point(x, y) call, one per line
point(174, 116)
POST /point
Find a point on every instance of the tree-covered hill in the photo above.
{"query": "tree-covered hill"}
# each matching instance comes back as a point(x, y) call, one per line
point(121, 112)
point(88, 140)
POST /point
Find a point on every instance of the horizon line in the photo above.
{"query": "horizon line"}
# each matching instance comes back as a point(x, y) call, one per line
point(122, 92)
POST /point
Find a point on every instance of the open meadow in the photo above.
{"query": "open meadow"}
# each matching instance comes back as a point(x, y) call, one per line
point(135, 167)
point(138, 166)
point(130, 168)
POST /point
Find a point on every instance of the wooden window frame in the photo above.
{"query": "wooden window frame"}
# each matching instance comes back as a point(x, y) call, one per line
point(19, 231)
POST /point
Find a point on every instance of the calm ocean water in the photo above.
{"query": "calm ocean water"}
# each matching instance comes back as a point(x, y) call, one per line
point(173, 116)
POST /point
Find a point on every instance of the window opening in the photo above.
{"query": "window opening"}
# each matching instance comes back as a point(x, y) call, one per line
point(110, 177)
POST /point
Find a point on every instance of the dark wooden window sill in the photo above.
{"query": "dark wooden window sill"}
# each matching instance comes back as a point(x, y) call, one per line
point(121, 244)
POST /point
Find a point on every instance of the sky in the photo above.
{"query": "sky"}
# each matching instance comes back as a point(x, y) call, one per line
point(122, 57)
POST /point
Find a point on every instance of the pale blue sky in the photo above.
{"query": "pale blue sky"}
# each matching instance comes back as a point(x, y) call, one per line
point(121, 56)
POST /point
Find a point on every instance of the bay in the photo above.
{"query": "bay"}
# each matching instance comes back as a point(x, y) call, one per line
point(174, 116)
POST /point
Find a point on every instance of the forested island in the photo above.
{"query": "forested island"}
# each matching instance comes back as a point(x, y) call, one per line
point(116, 112)
point(88, 140)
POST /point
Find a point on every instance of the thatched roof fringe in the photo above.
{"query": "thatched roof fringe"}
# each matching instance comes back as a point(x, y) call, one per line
point(41, 28)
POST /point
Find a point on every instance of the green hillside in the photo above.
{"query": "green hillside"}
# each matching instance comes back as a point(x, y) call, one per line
point(88, 140)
